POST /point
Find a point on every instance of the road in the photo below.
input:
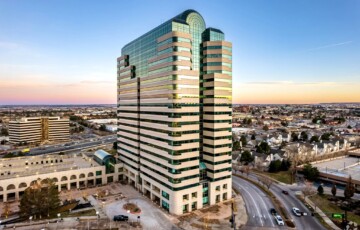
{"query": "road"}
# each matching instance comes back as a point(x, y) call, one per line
point(289, 201)
point(257, 204)
point(88, 143)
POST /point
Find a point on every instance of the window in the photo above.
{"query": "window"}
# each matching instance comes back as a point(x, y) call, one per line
point(165, 205)
point(164, 194)
point(224, 196)
point(185, 197)
point(193, 206)
point(194, 195)
point(98, 173)
point(217, 188)
point(217, 199)
point(224, 186)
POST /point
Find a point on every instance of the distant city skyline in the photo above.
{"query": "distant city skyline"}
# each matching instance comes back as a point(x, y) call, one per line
point(295, 52)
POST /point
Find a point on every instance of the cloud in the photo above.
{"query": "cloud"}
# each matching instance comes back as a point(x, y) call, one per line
point(330, 46)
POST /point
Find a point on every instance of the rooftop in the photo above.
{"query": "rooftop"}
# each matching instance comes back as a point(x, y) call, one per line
point(34, 165)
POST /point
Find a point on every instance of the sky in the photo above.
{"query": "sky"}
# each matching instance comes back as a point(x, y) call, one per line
point(64, 52)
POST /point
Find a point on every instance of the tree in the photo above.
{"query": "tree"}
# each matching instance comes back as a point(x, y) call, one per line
point(349, 189)
point(325, 136)
point(263, 147)
point(308, 190)
point(4, 132)
point(40, 199)
point(304, 136)
point(6, 210)
point(284, 123)
point(236, 145)
point(333, 190)
point(115, 146)
point(266, 128)
point(253, 137)
point(246, 157)
point(294, 137)
point(349, 127)
point(314, 139)
point(311, 173)
point(320, 190)
point(102, 127)
point(266, 182)
point(275, 166)
point(285, 165)
point(243, 140)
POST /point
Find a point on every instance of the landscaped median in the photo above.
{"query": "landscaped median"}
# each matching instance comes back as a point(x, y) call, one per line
point(274, 200)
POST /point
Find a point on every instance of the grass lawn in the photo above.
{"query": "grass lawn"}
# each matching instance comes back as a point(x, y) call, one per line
point(324, 204)
point(282, 176)
point(90, 212)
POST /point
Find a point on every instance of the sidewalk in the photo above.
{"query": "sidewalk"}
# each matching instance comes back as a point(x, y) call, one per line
point(321, 214)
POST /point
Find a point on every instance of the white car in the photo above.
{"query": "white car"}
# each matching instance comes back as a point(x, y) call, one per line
point(279, 220)
point(296, 211)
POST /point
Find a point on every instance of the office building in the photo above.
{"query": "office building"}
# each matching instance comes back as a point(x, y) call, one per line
point(35, 130)
point(174, 114)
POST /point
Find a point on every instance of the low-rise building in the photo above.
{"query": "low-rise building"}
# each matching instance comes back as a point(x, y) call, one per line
point(67, 171)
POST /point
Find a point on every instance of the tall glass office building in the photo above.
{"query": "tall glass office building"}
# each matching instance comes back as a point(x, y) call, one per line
point(174, 114)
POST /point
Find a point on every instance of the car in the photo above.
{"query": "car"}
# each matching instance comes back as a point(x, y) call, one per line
point(273, 211)
point(285, 192)
point(296, 211)
point(121, 218)
point(279, 220)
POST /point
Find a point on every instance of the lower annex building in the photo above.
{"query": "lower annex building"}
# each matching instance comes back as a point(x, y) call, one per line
point(175, 113)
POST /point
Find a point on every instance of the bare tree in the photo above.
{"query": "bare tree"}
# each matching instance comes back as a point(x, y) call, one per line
point(246, 170)
point(266, 182)
point(308, 190)
point(293, 155)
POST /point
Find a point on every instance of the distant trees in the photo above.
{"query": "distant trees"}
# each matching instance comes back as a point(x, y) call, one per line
point(266, 128)
point(4, 131)
point(115, 146)
point(310, 173)
point(102, 127)
point(284, 123)
point(243, 140)
point(294, 136)
point(349, 189)
point(339, 119)
point(275, 166)
point(319, 119)
point(333, 190)
point(304, 136)
point(246, 157)
point(279, 165)
point(263, 147)
point(314, 139)
point(320, 190)
point(236, 146)
point(253, 137)
point(247, 121)
point(326, 136)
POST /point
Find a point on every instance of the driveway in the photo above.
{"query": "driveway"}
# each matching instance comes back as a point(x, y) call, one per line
point(151, 217)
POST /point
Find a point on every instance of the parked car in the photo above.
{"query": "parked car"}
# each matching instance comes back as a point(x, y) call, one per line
point(121, 218)
point(285, 192)
point(273, 211)
point(296, 211)
point(279, 220)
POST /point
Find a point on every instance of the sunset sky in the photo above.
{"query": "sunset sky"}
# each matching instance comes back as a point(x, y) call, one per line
point(64, 52)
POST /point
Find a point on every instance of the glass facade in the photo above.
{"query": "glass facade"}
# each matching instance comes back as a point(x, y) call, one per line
point(165, 113)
